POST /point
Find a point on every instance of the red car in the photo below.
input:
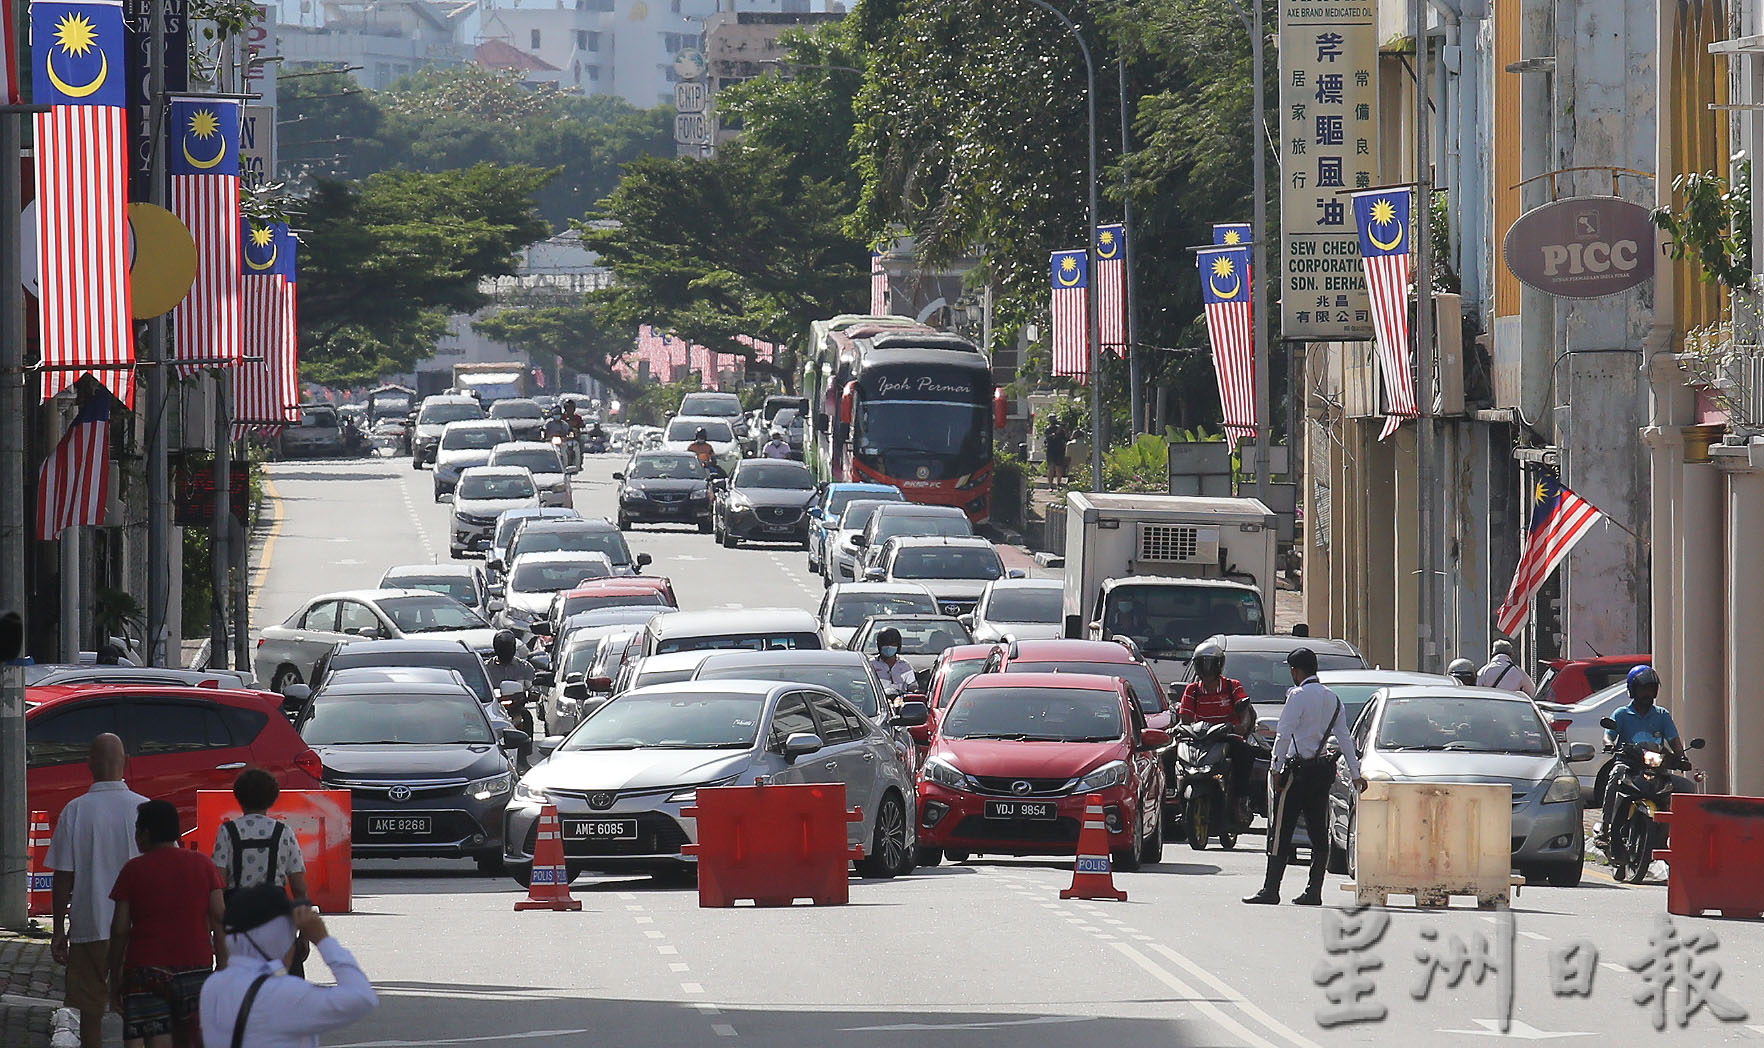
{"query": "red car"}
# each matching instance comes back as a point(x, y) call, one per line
point(179, 740)
point(632, 583)
point(954, 667)
point(1567, 681)
point(1090, 656)
point(1015, 756)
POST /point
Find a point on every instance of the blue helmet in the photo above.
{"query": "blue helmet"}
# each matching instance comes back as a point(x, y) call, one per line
point(1643, 677)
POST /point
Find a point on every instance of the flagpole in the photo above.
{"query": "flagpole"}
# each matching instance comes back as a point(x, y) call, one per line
point(1135, 375)
point(159, 532)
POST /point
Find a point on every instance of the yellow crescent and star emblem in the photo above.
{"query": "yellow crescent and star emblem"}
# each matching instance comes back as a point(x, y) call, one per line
point(75, 35)
point(1233, 238)
point(1068, 274)
point(1105, 244)
point(262, 237)
point(1222, 267)
point(1384, 214)
point(204, 125)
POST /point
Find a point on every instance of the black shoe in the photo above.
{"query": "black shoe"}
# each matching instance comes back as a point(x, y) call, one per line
point(1311, 897)
point(1263, 898)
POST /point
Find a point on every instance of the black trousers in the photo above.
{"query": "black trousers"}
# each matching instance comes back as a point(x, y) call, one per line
point(1307, 796)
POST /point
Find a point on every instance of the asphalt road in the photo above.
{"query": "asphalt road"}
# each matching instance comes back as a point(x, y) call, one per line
point(978, 955)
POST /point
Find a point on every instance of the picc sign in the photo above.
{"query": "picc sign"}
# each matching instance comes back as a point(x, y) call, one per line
point(1582, 247)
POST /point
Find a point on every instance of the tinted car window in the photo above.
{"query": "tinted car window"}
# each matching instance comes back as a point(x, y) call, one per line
point(946, 562)
point(460, 589)
point(64, 736)
point(837, 502)
point(515, 409)
point(430, 720)
point(714, 431)
point(1055, 715)
point(152, 728)
point(1265, 676)
point(852, 610)
point(674, 721)
point(666, 467)
point(1469, 725)
point(1025, 605)
point(849, 681)
point(453, 411)
point(468, 665)
point(355, 615)
point(551, 576)
point(537, 539)
point(791, 716)
point(1145, 688)
point(461, 437)
point(838, 724)
point(496, 486)
point(429, 614)
point(912, 524)
point(774, 475)
point(725, 404)
point(539, 460)
point(857, 512)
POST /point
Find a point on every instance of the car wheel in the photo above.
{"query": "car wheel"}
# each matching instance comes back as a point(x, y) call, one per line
point(1639, 846)
point(437, 493)
point(955, 855)
point(489, 864)
point(1127, 859)
point(522, 874)
point(1564, 874)
point(1338, 856)
point(925, 855)
point(888, 841)
point(729, 539)
point(416, 462)
point(705, 527)
point(285, 676)
point(1151, 851)
point(624, 525)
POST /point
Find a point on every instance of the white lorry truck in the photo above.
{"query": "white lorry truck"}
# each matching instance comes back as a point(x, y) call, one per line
point(1167, 571)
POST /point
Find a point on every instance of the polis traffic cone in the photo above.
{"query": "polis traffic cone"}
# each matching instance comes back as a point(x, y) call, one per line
point(1093, 876)
point(549, 885)
point(42, 898)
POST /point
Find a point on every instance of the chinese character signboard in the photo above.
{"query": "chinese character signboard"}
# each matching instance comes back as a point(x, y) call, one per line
point(1329, 143)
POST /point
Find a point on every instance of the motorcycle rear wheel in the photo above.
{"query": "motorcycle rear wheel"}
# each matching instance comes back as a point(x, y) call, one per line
point(1638, 835)
point(1197, 820)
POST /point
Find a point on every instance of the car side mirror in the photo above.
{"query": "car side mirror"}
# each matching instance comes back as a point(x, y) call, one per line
point(445, 496)
point(1607, 723)
point(1095, 630)
point(1580, 751)
point(493, 564)
point(548, 745)
point(860, 540)
point(966, 620)
point(540, 627)
point(800, 744)
point(1153, 739)
point(296, 692)
point(496, 604)
point(875, 574)
point(514, 738)
point(913, 713)
point(572, 470)
point(618, 476)
point(1696, 744)
point(1016, 573)
point(644, 560)
point(540, 661)
point(577, 690)
point(599, 683)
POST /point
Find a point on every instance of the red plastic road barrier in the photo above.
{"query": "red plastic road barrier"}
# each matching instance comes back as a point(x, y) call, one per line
point(320, 820)
point(548, 885)
point(1717, 849)
point(42, 879)
point(773, 844)
point(1093, 876)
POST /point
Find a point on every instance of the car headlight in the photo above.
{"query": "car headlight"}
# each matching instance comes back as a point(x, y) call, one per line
point(530, 794)
point(1111, 774)
point(519, 614)
point(690, 794)
point(700, 493)
point(490, 786)
point(739, 501)
point(1563, 788)
point(1377, 776)
point(943, 773)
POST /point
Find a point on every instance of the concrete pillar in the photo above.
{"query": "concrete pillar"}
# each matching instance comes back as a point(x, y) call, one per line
point(1345, 579)
point(1666, 487)
point(1745, 629)
point(1697, 693)
point(1402, 553)
point(1320, 458)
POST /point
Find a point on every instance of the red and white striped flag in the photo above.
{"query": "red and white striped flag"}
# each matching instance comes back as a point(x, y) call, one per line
point(1559, 518)
point(262, 386)
point(203, 157)
point(74, 483)
point(1384, 222)
point(83, 305)
point(1111, 286)
point(1070, 336)
point(1225, 294)
point(878, 286)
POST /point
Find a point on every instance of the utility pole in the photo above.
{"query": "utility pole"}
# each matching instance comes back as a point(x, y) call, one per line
point(1426, 474)
point(220, 546)
point(1259, 253)
point(14, 819)
point(159, 530)
point(14, 403)
point(1135, 377)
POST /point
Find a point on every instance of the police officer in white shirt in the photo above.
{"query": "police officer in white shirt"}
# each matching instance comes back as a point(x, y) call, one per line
point(888, 664)
point(1301, 774)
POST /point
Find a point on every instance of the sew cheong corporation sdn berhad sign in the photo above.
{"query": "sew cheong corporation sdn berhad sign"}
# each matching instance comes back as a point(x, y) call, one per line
point(1582, 247)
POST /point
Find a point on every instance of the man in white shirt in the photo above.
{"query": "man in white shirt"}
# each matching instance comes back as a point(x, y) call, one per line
point(94, 838)
point(1503, 672)
point(278, 1010)
point(888, 664)
point(1301, 774)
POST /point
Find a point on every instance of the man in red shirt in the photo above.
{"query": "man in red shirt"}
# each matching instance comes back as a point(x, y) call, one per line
point(167, 933)
point(1213, 698)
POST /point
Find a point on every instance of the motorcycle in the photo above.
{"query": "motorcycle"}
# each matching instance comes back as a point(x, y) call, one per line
point(1201, 785)
point(1641, 773)
point(568, 449)
point(517, 704)
point(595, 443)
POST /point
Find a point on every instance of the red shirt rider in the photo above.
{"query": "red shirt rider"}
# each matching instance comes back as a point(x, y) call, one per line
point(1221, 705)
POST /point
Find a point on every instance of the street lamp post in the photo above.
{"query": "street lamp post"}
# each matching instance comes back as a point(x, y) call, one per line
point(1252, 21)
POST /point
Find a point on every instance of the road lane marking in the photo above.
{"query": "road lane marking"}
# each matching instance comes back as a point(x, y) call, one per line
point(1224, 990)
point(1535, 935)
point(669, 950)
point(708, 1009)
point(1193, 997)
point(1619, 968)
point(511, 1036)
point(723, 1030)
point(637, 908)
point(1040, 1020)
point(654, 935)
point(644, 920)
point(1523, 1031)
point(688, 987)
point(678, 967)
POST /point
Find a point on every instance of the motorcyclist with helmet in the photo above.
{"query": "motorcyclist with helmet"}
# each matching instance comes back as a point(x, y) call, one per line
point(703, 448)
point(1640, 722)
point(512, 678)
point(1213, 698)
point(570, 416)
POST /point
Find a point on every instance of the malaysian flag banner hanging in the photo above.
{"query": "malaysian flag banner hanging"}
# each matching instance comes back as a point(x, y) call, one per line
point(1559, 518)
point(1383, 218)
point(878, 286)
point(267, 329)
point(203, 157)
point(1111, 286)
point(74, 483)
point(81, 166)
point(1225, 293)
point(1071, 324)
point(288, 255)
point(1231, 234)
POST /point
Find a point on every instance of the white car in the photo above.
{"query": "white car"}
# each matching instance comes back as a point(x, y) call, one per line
point(510, 522)
point(534, 577)
point(550, 475)
point(955, 570)
point(683, 429)
point(1580, 723)
point(1027, 609)
point(482, 495)
point(464, 445)
point(840, 553)
point(287, 653)
point(846, 605)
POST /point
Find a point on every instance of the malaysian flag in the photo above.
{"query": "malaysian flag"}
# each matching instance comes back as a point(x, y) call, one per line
point(1231, 234)
point(1225, 293)
point(1111, 285)
point(1071, 325)
point(260, 385)
point(878, 286)
point(1384, 221)
point(203, 156)
point(289, 386)
point(1559, 518)
point(75, 481)
point(83, 306)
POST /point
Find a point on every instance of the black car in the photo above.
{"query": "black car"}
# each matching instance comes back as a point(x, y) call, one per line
point(428, 775)
point(765, 500)
point(444, 654)
point(581, 535)
point(526, 420)
point(664, 487)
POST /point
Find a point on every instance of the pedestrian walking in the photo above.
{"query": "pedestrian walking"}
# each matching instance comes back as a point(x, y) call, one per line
point(1301, 774)
point(166, 934)
point(1054, 440)
point(94, 839)
point(1502, 672)
point(252, 1001)
point(257, 848)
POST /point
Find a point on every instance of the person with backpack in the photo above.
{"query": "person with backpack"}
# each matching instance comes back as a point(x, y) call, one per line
point(257, 848)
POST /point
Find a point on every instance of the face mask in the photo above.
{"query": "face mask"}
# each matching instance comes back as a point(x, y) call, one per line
point(889, 651)
point(1125, 607)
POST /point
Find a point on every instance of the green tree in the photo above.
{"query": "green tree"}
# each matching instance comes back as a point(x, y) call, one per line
point(567, 331)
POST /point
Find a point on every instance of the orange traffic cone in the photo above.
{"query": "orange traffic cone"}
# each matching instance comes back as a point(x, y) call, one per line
point(549, 885)
point(1093, 876)
point(42, 880)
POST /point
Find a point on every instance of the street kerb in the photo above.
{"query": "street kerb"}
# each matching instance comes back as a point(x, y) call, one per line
point(548, 885)
point(1093, 874)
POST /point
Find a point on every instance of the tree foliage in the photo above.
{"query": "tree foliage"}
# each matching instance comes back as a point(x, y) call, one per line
point(568, 331)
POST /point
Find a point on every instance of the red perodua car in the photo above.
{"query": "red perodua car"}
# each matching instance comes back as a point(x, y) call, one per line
point(1014, 756)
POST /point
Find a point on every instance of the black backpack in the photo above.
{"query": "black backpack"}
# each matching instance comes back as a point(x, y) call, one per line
point(273, 843)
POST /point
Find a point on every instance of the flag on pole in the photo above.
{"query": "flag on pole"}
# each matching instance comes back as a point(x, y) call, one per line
point(1111, 286)
point(1232, 234)
point(1559, 518)
point(81, 165)
point(1071, 324)
point(1225, 294)
point(878, 286)
point(74, 482)
point(266, 328)
point(8, 56)
point(288, 254)
point(203, 157)
point(1383, 218)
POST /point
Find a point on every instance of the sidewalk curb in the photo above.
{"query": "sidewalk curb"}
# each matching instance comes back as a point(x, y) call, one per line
point(265, 550)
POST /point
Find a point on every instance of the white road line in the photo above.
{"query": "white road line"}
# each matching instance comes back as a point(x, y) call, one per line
point(723, 1030)
point(655, 935)
point(677, 967)
point(687, 987)
point(627, 896)
point(644, 920)
point(637, 909)
point(521, 1036)
point(1205, 1007)
point(669, 950)
point(1223, 989)
point(1535, 935)
point(708, 1009)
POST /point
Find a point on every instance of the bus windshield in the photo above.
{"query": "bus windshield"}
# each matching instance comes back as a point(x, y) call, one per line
point(958, 435)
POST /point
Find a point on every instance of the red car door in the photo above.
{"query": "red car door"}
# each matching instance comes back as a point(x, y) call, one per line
point(180, 744)
point(57, 738)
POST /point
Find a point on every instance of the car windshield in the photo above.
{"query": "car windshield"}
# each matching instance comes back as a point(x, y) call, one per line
point(394, 719)
point(496, 486)
point(596, 601)
point(388, 404)
point(323, 418)
point(577, 658)
point(515, 409)
point(1265, 675)
point(469, 666)
point(666, 467)
point(917, 636)
point(1171, 620)
point(1026, 604)
point(539, 460)
point(838, 500)
point(781, 641)
point(851, 610)
point(1034, 715)
point(956, 674)
point(850, 681)
point(1145, 687)
point(573, 540)
point(756, 474)
point(671, 721)
point(942, 525)
point(1354, 698)
point(727, 405)
point(1476, 725)
point(429, 614)
point(789, 418)
point(857, 512)
point(553, 575)
point(452, 411)
point(469, 438)
point(946, 562)
point(714, 431)
point(460, 589)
